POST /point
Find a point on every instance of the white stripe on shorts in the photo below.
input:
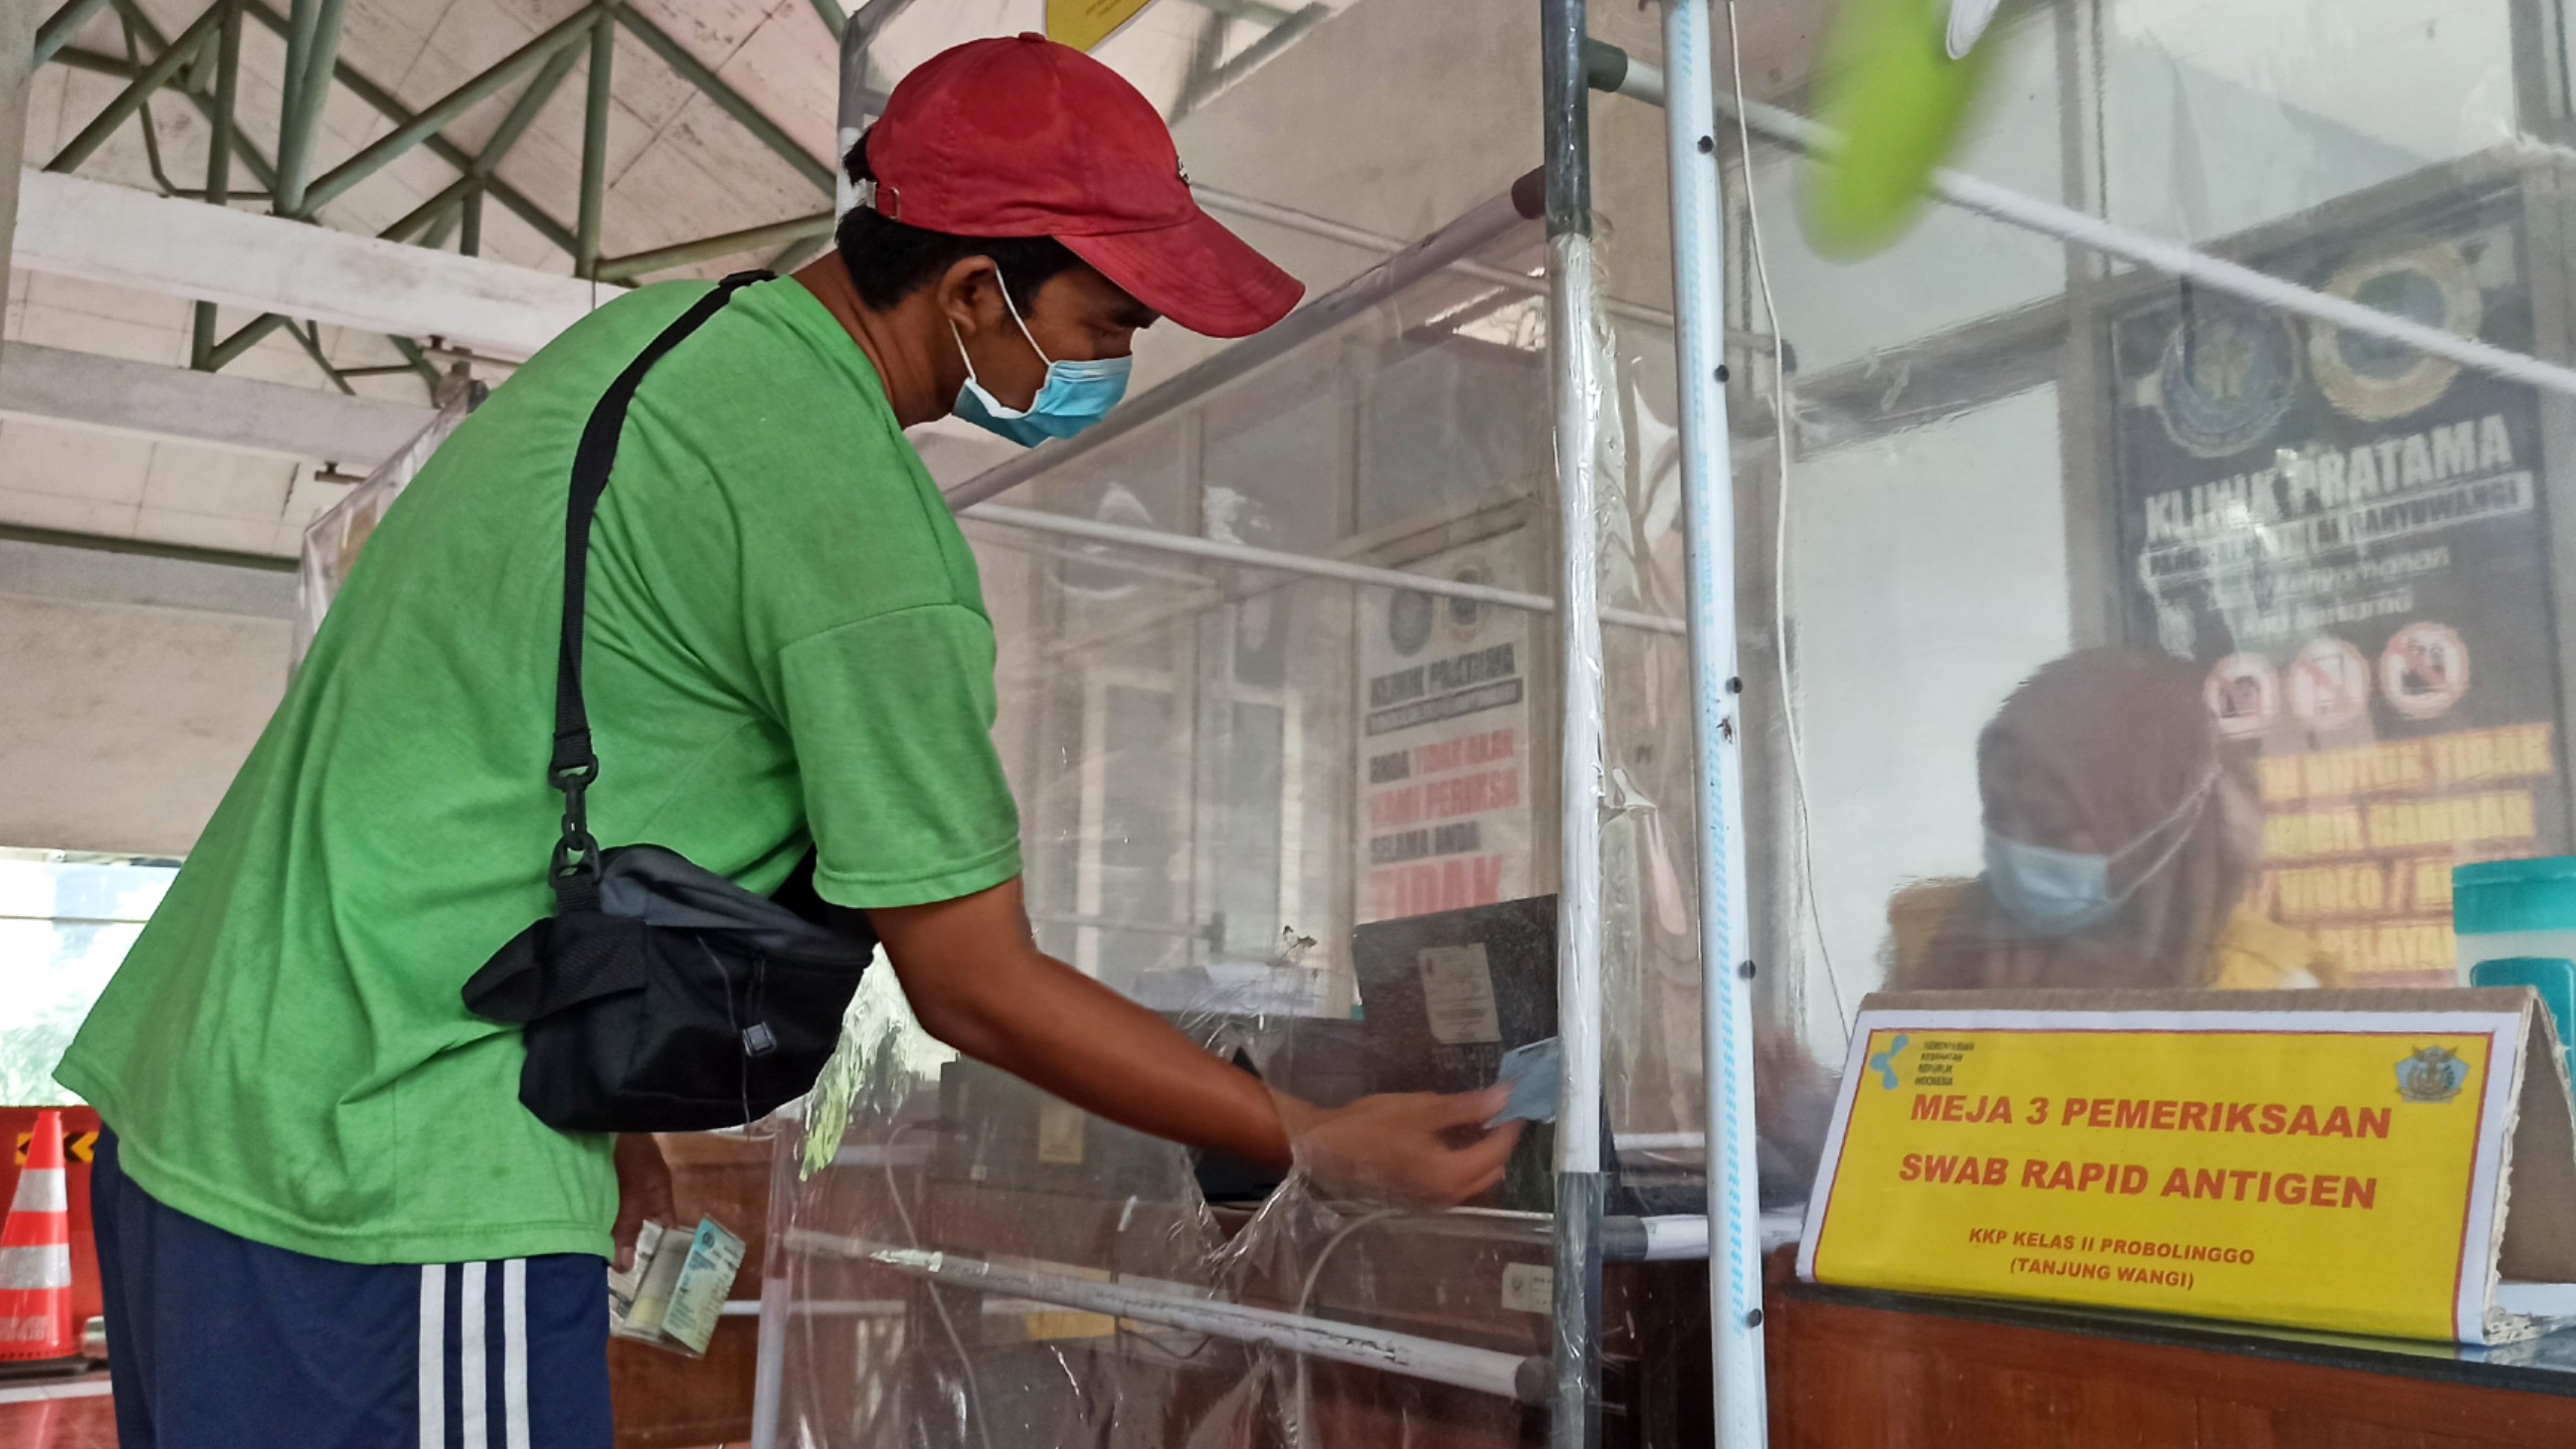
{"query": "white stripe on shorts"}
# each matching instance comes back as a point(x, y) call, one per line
point(514, 1353)
point(473, 1355)
point(473, 1347)
point(433, 1356)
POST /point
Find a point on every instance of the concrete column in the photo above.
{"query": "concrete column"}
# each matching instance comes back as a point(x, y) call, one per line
point(17, 48)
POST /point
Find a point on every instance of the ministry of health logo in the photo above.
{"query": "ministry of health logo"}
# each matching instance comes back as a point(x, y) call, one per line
point(1884, 1063)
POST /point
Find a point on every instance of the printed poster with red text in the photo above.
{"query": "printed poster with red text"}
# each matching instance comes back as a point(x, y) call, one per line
point(1444, 742)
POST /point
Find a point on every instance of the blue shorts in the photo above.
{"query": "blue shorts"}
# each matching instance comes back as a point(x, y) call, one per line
point(217, 1342)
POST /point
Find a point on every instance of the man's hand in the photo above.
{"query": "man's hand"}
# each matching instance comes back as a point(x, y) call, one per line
point(1413, 1148)
point(643, 1192)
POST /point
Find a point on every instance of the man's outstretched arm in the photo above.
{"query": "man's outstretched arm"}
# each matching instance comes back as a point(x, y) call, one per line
point(977, 981)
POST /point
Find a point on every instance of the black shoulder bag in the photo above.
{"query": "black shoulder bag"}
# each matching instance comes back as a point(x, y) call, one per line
point(659, 997)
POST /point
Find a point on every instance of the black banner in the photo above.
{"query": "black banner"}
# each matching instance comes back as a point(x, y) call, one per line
point(2352, 535)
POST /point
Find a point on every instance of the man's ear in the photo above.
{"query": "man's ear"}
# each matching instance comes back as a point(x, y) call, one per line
point(970, 294)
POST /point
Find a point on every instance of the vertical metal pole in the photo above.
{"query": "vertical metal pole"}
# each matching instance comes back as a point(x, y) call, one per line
point(219, 163)
point(769, 1369)
point(594, 146)
point(2542, 103)
point(2540, 79)
point(1575, 342)
point(2096, 590)
point(1708, 512)
point(313, 53)
point(18, 62)
point(469, 241)
point(300, 18)
point(219, 139)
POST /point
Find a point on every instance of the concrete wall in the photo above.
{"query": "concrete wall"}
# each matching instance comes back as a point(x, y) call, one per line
point(17, 44)
point(134, 688)
point(67, 478)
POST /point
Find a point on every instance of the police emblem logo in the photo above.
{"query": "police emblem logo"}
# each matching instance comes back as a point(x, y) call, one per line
point(2431, 1074)
point(2227, 378)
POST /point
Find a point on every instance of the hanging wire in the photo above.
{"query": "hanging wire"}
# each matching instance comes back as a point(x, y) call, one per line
point(1803, 906)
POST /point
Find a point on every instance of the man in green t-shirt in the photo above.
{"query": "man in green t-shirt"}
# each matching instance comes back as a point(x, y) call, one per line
point(323, 1214)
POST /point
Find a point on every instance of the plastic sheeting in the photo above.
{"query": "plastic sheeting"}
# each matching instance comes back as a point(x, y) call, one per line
point(2085, 556)
point(2284, 594)
point(1315, 824)
point(333, 538)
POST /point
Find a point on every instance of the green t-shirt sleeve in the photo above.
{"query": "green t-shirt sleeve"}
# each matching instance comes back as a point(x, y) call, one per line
point(892, 720)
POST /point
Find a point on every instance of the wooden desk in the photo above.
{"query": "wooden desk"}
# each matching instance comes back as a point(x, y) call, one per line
point(1855, 1370)
point(665, 1400)
point(1847, 1370)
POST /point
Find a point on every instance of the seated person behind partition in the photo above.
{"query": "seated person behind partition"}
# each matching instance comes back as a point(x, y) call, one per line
point(2123, 843)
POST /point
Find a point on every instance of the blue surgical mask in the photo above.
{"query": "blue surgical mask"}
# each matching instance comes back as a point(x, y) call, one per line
point(1074, 396)
point(2052, 892)
point(2049, 892)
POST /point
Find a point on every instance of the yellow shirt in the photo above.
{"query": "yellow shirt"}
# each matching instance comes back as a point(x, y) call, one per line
point(2252, 952)
point(2256, 953)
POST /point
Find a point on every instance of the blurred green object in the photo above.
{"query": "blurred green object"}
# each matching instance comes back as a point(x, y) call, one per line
point(827, 1107)
point(1889, 86)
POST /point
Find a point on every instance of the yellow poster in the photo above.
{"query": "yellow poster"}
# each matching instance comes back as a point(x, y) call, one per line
point(1083, 24)
point(2332, 1170)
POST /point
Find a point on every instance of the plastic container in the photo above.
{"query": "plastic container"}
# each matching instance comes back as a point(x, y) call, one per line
point(2503, 909)
point(2554, 977)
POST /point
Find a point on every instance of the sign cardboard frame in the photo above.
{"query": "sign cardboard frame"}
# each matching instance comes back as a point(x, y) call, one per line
point(2525, 1149)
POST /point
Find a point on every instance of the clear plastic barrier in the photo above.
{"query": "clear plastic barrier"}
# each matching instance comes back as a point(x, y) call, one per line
point(2257, 607)
point(2047, 561)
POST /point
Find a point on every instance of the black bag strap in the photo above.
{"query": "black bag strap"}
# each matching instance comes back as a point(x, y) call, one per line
point(575, 766)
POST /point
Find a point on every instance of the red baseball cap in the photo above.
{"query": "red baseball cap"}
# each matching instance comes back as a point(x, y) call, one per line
point(1020, 136)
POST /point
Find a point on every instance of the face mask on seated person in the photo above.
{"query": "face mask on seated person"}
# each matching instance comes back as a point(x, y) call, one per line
point(2052, 892)
point(1074, 396)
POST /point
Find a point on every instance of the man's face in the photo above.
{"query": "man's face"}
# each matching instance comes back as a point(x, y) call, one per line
point(1077, 315)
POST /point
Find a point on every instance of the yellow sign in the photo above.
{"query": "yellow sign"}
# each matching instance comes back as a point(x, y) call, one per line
point(1083, 24)
point(81, 1146)
point(2331, 1170)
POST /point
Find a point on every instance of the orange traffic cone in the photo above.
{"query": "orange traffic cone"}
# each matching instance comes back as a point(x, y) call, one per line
point(36, 1255)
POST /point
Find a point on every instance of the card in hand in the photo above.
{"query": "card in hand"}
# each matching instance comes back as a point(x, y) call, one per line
point(1533, 1073)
